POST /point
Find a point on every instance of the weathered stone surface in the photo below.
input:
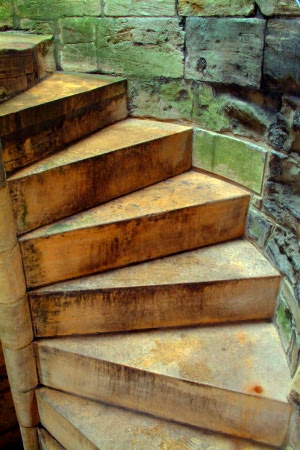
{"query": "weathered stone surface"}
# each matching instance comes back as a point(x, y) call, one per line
point(282, 7)
point(145, 48)
point(139, 8)
point(38, 26)
point(281, 193)
point(6, 14)
point(215, 8)
point(258, 227)
point(209, 108)
point(225, 50)
point(78, 30)
point(79, 57)
point(172, 99)
point(237, 160)
point(282, 55)
point(283, 250)
point(42, 9)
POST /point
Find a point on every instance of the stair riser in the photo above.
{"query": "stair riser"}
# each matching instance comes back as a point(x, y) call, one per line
point(96, 180)
point(35, 133)
point(248, 416)
point(68, 436)
point(96, 249)
point(152, 307)
point(22, 69)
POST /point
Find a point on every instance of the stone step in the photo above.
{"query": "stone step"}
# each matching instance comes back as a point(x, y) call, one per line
point(25, 59)
point(47, 442)
point(185, 212)
point(59, 110)
point(78, 423)
point(225, 282)
point(121, 158)
point(231, 379)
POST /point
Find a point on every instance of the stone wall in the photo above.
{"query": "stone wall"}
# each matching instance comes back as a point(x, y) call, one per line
point(232, 70)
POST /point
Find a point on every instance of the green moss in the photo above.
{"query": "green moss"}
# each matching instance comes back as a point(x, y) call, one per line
point(208, 110)
point(78, 29)
point(231, 158)
point(42, 9)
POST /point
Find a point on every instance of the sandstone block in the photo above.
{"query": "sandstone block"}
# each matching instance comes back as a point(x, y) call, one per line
point(258, 227)
point(282, 54)
point(225, 50)
point(41, 9)
point(6, 13)
point(142, 47)
point(79, 57)
point(283, 250)
point(78, 30)
point(170, 100)
point(139, 8)
point(237, 160)
point(275, 7)
point(215, 8)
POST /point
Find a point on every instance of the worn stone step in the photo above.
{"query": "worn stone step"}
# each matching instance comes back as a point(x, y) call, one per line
point(123, 157)
point(47, 442)
point(25, 59)
point(59, 110)
point(232, 379)
point(225, 282)
point(185, 212)
point(78, 423)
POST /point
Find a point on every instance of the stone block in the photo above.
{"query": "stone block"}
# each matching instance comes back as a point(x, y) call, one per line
point(281, 67)
point(79, 57)
point(225, 50)
point(141, 47)
point(259, 227)
point(42, 9)
point(283, 250)
point(6, 14)
point(120, 8)
point(235, 159)
point(38, 26)
point(275, 7)
point(171, 99)
point(209, 108)
point(215, 8)
point(78, 30)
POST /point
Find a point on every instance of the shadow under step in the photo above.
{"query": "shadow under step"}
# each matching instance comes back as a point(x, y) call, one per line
point(231, 379)
point(59, 110)
point(119, 159)
point(185, 212)
point(79, 423)
point(225, 282)
point(25, 59)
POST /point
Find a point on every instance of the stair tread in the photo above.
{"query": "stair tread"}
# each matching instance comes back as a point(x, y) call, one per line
point(182, 191)
point(239, 260)
point(57, 86)
point(13, 40)
point(245, 358)
point(132, 430)
point(126, 133)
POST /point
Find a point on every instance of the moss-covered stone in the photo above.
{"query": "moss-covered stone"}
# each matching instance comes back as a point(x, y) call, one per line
point(208, 110)
point(6, 14)
point(144, 48)
point(139, 8)
point(235, 159)
point(162, 100)
point(43, 9)
point(274, 7)
point(38, 26)
point(78, 30)
point(79, 57)
point(225, 50)
point(215, 7)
